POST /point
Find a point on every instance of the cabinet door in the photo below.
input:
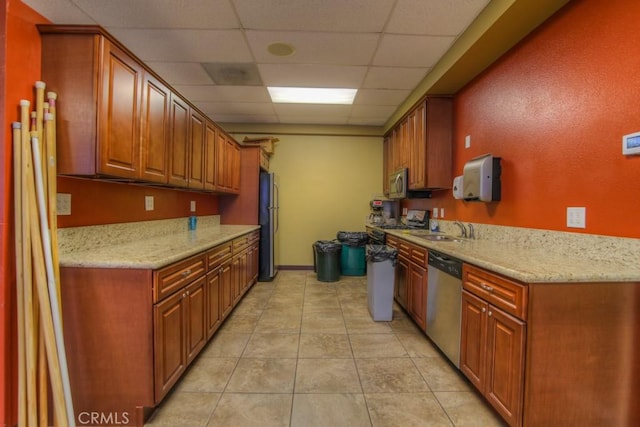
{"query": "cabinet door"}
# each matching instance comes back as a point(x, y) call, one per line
point(505, 359)
point(254, 259)
point(417, 172)
point(236, 274)
point(169, 343)
point(119, 112)
point(154, 130)
point(210, 156)
point(417, 298)
point(236, 167)
point(179, 135)
point(196, 318)
point(226, 289)
point(473, 338)
point(386, 169)
point(213, 294)
point(196, 150)
point(401, 282)
point(221, 158)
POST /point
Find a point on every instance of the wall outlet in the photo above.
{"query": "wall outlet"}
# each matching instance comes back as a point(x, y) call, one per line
point(193, 206)
point(148, 203)
point(404, 211)
point(467, 141)
point(434, 213)
point(63, 204)
point(441, 212)
point(577, 217)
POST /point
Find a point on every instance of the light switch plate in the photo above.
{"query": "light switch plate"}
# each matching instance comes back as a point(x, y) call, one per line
point(576, 217)
point(148, 203)
point(193, 206)
point(441, 212)
point(63, 204)
point(434, 213)
point(467, 141)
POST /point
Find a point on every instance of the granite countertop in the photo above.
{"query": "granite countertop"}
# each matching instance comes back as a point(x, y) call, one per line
point(548, 258)
point(121, 247)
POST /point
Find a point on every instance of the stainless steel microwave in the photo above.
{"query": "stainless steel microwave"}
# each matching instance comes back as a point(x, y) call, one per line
point(398, 182)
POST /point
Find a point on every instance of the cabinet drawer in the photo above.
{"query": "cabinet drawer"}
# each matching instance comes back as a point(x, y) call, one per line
point(254, 236)
point(218, 255)
point(404, 249)
point(170, 279)
point(504, 293)
point(240, 243)
point(419, 255)
point(392, 241)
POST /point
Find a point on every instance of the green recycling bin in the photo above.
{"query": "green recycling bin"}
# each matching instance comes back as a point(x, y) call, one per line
point(327, 260)
point(352, 259)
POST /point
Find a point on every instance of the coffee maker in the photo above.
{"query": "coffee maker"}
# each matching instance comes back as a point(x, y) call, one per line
point(384, 212)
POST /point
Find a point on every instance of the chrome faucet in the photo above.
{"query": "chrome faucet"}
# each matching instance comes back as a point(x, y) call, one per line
point(472, 233)
point(463, 230)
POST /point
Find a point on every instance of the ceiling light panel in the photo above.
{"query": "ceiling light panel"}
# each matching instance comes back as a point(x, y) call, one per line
point(305, 95)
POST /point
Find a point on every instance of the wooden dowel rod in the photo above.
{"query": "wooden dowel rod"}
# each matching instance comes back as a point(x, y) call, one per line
point(17, 205)
point(54, 307)
point(30, 315)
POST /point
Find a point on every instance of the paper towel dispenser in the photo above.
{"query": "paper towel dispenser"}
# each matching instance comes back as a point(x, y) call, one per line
point(481, 179)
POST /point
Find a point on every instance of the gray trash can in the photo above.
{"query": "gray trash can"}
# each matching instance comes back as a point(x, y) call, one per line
point(381, 260)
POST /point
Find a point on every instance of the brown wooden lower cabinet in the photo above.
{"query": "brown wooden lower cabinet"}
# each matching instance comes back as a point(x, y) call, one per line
point(552, 354)
point(128, 343)
point(410, 283)
point(492, 355)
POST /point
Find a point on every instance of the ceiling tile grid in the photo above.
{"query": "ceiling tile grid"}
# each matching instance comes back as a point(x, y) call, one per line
point(383, 48)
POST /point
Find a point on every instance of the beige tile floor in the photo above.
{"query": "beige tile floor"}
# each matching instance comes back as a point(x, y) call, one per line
point(299, 352)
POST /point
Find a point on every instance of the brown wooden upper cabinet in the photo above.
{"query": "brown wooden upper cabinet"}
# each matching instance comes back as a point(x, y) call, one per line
point(118, 119)
point(421, 141)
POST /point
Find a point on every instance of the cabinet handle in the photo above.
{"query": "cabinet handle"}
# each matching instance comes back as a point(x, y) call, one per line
point(484, 309)
point(490, 313)
point(486, 287)
point(187, 293)
point(186, 272)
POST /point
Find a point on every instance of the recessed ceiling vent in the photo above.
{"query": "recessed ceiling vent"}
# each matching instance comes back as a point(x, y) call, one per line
point(229, 74)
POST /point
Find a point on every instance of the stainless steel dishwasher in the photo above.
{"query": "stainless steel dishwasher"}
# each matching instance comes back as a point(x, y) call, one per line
point(444, 303)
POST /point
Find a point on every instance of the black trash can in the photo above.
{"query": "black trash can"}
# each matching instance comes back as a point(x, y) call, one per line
point(327, 260)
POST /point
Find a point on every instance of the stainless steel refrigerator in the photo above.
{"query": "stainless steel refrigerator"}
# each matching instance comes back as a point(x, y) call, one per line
point(268, 220)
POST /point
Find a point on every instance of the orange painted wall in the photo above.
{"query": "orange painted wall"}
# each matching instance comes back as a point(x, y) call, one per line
point(102, 202)
point(555, 109)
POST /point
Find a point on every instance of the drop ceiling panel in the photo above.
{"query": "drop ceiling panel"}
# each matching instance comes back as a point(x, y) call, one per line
point(393, 77)
point(315, 48)
point(236, 107)
point(434, 17)
point(318, 15)
point(411, 51)
point(179, 73)
point(235, 118)
point(185, 45)
point(206, 14)
point(224, 93)
point(60, 11)
point(380, 96)
point(334, 76)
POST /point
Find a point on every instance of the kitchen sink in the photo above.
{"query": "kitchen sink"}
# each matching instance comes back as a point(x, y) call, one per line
point(439, 238)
